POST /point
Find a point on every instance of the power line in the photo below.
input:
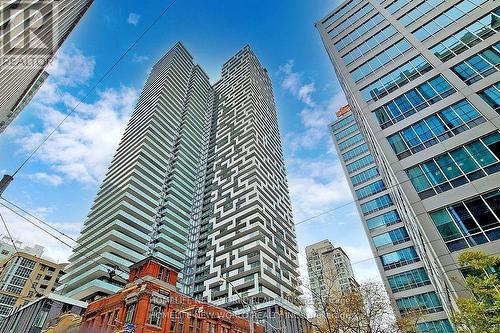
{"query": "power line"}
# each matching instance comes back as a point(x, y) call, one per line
point(17, 251)
point(96, 253)
point(114, 265)
point(455, 162)
point(124, 271)
point(298, 223)
point(355, 263)
point(92, 88)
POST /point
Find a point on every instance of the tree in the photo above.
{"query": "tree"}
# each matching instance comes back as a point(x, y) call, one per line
point(362, 309)
point(481, 312)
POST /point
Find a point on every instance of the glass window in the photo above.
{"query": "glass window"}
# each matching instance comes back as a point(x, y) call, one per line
point(438, 326)
point(350, 20)
point(464, 161)
point(355, 152)
point(433, 172)
point(464, 220)
point(396, 5)
point(491, 95)
point(369, 44)
point(393, 237)
point(448, 166)
point(342, 122)
point(129, 317)
point(480, 153)
point(478, 66)
point(385, 219)
point(371, 189)
point(483, 215)
point(399, 258)
point(364, 176)
point(40, 318)
point(413, 101)
point(428, 302)
point(397, 143)
point(408, 280)
point(380, 60)
point(418, 133)
point(446, 18)
point(341, 12)
point(359, 164)
point(346, 132)
point(419, 11)
point(436, 124)
point(493, 201)
point(376, 204)
point(155, 315)
point(351, 141)
point(445, 225)
point(418, 179)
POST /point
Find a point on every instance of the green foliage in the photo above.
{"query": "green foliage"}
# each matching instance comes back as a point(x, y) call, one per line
point(481, 313)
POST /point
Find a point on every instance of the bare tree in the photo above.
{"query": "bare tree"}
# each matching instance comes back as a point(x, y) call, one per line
point(362, 308)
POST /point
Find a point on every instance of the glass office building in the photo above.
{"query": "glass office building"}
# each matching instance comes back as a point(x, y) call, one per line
point(421, 78)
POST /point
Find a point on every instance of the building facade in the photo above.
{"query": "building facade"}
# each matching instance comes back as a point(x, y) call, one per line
point(45, 313)
point(150, 303)
point(421, 79)
point(7, 248)
point(24, 278)
point(198, 181)
point(405, 271)
point(330, 272)
point(148, 191)
point(31, 33)
point(245, 230)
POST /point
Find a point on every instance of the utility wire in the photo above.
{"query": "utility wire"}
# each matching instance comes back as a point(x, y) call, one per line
point(298, 223)
point(62, 241)
point(354, 263)
point(92, 88)
point(17, 251)
point(72, 247)
point(397, 184)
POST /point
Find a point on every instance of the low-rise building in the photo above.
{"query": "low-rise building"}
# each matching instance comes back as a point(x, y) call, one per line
point(24, 278)
point(43, 314)
point(150, 303)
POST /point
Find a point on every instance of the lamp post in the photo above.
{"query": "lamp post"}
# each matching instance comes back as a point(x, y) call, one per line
point(249, 304)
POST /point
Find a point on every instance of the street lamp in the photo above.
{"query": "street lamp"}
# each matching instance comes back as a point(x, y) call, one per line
point(249, 304)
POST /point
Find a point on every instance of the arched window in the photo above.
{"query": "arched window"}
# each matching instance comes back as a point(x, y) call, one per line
point(130, 313)
point(155, 315)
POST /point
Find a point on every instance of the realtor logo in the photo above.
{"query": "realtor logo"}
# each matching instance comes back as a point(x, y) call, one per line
point(28, 27)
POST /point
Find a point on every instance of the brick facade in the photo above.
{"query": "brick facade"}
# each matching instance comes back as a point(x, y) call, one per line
point(150, 303)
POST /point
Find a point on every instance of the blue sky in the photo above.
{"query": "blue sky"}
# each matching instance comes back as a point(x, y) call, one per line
point(60, 183)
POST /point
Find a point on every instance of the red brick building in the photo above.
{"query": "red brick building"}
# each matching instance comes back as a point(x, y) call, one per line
point(150, 303)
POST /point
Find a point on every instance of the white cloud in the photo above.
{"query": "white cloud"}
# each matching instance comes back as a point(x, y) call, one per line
point(44, 178)
point(139, 58)
point(133, 18)
point(292, 81)
point(84, 145)
point(30, 235)
point(70, 68)
point(316, 185)
point(305, 92)
point(315, 116)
